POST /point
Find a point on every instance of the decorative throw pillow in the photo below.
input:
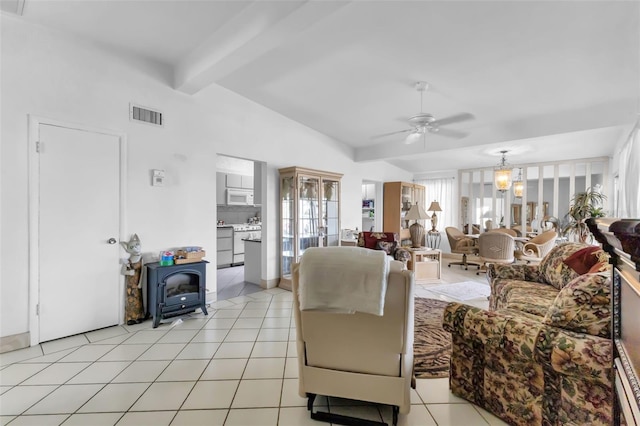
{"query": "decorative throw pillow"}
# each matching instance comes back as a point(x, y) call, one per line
point(583, 306)
point(552, 268)
point(386, 246)
point(583, 260)
point(371, 238)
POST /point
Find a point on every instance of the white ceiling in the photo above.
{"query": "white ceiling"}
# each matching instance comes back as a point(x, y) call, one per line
point(525, 70)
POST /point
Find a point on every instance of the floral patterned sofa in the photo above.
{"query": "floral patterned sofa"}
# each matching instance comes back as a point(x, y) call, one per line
point(542, 354)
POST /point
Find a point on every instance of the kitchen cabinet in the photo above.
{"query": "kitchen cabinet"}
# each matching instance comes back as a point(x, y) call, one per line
point(234, 180)
point(224, 244)
point(309, 214)
point(398, 199)
point(239, 181)
point(221, 188)
point(259, 173)
point(368, 191)
point(246, 182)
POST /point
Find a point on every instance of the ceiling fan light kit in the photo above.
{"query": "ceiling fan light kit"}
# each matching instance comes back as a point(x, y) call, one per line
point(424, 122)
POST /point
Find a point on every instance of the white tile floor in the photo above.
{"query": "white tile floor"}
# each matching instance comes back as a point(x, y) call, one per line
point(236, 366)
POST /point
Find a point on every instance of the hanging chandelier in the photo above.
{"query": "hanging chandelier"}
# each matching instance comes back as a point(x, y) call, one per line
point(518, 185)
point(502, 174)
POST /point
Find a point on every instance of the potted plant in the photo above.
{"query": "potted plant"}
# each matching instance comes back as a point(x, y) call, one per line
point(583, 206)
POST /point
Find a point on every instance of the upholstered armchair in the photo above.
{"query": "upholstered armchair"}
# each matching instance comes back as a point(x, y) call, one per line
point(538, 247)
point(505, 231)
point(359, 356)
point(461, 244)
point(495, 247)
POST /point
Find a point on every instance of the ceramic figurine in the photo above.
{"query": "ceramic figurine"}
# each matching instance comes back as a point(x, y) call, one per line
point(132, 270)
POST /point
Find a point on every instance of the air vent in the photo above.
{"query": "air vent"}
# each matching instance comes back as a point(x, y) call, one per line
point(146, 115)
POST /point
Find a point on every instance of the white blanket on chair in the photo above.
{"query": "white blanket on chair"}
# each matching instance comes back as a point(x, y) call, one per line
point(343, 279)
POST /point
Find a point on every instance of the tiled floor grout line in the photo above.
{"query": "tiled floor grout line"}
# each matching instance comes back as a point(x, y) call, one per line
point(241, 306)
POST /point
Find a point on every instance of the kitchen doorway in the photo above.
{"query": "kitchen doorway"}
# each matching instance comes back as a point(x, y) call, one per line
point(240, 216)
point(372, 205)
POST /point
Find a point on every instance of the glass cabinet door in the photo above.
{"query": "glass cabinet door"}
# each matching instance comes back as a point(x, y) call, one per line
point(287, 188)
point(308, 213)
point(330, 213)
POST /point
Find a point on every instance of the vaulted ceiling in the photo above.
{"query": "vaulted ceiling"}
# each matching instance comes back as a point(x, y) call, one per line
point(546, 80)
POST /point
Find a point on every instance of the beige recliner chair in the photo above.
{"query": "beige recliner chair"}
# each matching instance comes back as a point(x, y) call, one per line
point(358, 356)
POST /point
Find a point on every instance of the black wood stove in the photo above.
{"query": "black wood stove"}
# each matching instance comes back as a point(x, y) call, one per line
point(175, 290)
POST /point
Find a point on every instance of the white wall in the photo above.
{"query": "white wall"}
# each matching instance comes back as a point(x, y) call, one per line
point(51, 75)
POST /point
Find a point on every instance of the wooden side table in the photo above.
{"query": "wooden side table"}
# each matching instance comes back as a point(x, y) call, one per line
point(425, 263)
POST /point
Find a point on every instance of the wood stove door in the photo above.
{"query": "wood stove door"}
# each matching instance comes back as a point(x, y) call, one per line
point(182, 288)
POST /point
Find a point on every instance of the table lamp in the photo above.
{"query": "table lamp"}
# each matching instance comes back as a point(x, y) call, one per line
point(416, 230)
point(434, 207)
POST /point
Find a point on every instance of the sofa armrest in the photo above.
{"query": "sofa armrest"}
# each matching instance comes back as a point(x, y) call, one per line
point(493, 328)
point(556, 349)
point(520, 272)
point(575, 354)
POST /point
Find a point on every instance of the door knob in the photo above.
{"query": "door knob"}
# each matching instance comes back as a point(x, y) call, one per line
point(112, 241)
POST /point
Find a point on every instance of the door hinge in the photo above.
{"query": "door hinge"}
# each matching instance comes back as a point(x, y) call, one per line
point(38, 309)
point(38, 146)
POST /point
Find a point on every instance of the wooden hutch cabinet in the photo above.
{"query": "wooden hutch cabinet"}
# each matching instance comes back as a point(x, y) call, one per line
point(309, 214)
point(398, 199)
point(621, 239)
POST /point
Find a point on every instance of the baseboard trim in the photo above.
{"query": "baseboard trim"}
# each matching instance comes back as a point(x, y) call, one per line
point(14, 342)
point(273, 283)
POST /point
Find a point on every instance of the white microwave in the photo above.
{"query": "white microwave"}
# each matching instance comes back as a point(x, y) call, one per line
point(239, 197)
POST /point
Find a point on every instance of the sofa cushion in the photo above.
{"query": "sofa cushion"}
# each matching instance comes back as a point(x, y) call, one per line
point(526, 296)
point(388, 247)
point(583, 306)
point(554, 270)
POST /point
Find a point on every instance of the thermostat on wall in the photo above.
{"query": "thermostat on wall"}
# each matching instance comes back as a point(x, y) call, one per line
point(157, 178)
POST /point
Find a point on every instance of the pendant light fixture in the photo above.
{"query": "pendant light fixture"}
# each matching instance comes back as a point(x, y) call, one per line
point(518, 185)
point(502, 174)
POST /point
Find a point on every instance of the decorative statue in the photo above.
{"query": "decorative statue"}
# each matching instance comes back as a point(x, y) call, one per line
point(132, 270)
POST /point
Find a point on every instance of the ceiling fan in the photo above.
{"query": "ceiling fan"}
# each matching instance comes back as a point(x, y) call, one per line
point(424, 122)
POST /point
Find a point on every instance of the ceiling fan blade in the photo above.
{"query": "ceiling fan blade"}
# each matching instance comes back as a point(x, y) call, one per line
point(450, 133)
point(383, 135)
point(464, 116)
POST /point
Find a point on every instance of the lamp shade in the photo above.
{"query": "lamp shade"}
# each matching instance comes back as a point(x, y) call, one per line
point(434, 207)
point(502, 174)
point(416, 212)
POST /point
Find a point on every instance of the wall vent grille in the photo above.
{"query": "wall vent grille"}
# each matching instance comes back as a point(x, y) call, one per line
point(146, 115)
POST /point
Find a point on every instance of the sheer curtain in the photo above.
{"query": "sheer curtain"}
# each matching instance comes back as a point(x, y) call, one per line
point(629, 176)
point(441, 190)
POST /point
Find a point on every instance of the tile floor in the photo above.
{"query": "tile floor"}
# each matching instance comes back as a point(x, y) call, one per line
point(231, 283)
point(236, 366)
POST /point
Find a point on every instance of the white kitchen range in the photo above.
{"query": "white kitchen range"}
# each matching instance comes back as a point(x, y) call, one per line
point(240, 233)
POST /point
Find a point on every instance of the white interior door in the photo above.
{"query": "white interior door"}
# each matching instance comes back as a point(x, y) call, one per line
point(79, 184)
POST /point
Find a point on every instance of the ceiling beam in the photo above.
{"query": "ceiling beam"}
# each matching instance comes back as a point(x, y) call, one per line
point(257, 29)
